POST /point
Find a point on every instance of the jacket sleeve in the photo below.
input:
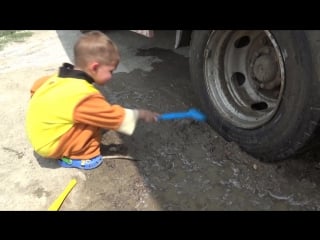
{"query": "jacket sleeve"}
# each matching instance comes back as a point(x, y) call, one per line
point(38, 84)
point(96, 111)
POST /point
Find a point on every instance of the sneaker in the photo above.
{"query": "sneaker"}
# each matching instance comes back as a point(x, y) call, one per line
point(81, 164)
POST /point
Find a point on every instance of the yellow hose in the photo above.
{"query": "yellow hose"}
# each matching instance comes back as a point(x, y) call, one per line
point(57, 203)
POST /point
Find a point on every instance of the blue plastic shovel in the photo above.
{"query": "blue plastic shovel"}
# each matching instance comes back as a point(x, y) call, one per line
point(192, 113)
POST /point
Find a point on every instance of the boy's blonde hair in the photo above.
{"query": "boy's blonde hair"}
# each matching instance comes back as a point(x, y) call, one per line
point(95, 46)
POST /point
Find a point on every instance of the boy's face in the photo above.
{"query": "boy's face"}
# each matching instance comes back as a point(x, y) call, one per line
point(101, 73)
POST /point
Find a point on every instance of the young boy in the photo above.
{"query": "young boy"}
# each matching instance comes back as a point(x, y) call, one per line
point(66, 113)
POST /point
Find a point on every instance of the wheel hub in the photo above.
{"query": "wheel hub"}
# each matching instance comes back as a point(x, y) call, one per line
point(264, 68)
point(244, 76)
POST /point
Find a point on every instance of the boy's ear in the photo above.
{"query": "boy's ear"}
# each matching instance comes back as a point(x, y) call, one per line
point(93, 66)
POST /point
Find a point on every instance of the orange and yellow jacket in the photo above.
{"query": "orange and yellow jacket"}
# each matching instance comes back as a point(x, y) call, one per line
point(66, 114)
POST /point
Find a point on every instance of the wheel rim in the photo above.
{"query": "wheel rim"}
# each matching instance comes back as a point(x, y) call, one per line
point(244, 76)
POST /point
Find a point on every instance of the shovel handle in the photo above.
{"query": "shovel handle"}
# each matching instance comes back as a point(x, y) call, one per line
point(57, 203)
point(175, 115)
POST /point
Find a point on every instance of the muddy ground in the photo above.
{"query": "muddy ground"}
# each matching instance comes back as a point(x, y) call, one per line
point(181, 165)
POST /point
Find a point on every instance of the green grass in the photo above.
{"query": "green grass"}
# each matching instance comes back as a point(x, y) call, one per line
point(7, 36)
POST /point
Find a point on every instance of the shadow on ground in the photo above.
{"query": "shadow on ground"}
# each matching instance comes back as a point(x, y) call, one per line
point(46, 162)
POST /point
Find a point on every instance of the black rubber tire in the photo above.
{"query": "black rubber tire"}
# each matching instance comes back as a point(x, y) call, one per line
point(294, 124)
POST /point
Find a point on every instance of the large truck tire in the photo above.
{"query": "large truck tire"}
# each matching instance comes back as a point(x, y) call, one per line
point(260, 89)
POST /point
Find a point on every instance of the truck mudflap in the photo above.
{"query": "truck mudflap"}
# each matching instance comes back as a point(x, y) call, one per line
point(182, 36)
point(146, 33)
